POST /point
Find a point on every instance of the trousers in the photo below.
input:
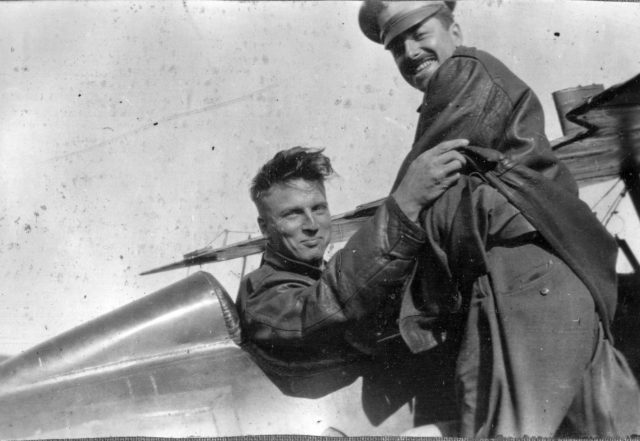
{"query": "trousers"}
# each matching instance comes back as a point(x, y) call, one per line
point(533, 358)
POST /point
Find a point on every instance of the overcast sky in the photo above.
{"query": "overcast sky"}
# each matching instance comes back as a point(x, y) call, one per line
point(130, 130)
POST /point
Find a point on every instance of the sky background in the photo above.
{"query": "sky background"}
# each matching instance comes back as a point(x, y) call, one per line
point(130, 130)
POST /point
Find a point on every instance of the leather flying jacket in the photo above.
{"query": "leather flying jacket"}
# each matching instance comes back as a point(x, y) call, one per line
point(474, 96)
point(295, 311)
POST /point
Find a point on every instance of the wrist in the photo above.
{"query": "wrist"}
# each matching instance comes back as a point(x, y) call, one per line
point(409, 207)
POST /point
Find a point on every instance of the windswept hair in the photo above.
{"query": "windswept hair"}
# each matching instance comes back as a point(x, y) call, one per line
point(294, 163)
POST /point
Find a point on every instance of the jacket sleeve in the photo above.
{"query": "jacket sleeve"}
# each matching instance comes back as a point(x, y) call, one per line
point(286, 309)
point(461, 226)
point(468, 220)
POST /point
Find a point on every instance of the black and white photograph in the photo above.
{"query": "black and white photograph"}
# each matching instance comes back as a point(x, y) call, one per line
point(328, 218)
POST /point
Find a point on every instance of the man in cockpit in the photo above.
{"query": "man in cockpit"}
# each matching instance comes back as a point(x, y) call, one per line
point(297, 306)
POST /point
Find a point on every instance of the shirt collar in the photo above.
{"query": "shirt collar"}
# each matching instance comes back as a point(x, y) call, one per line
point(282, 262)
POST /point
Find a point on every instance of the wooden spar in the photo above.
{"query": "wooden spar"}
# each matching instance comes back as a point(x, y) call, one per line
point(613, 116)
point(592, 159)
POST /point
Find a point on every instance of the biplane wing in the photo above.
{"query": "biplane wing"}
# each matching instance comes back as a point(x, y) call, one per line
point(342, 227)
point(610, 122)
point(609, 142)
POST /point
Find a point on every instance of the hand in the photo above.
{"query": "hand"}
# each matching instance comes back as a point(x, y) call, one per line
point(429, 176)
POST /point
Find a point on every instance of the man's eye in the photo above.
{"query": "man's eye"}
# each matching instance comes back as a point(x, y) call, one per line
point(394, 47)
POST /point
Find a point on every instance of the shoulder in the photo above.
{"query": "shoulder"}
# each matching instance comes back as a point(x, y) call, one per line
point(267, 278)
point(495, 69)
point(467, 68)
point(251, 283)
point(472, 55)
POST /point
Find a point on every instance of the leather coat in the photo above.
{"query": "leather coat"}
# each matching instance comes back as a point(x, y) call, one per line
point(298, 312)
point(474, 96)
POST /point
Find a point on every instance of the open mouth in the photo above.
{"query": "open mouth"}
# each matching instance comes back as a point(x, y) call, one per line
point(424, 65)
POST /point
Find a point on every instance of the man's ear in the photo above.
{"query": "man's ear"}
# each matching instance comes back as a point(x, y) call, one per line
point(263, 226)
point(456, 33)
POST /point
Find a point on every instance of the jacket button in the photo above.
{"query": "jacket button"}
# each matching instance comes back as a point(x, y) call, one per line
point(544, 291)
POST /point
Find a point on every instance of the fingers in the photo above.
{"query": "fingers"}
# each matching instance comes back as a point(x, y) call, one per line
point(450, 180)
point(451, 167)
point(452, 156)
point(451, 144)
point(445, 152)
point(442, 164)
point(434, 156)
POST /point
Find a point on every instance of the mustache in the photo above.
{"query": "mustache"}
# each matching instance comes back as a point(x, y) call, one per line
point(411, 64)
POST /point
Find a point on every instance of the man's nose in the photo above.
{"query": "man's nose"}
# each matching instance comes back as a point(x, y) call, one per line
point(411, 48)
point(310, 222)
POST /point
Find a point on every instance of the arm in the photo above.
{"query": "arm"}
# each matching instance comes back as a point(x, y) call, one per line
point(288, 309)
point(460, 227)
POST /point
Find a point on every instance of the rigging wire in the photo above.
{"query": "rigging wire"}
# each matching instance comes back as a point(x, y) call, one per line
point(226, 232)
point(613, 209)
point(606, 193)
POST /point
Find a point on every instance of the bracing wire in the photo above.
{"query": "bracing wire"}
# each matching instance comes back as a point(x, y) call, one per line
point(606, 193)
point(226, 232)
point(613, 209)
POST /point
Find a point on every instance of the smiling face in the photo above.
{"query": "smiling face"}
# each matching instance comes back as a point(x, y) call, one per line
point(420, 50)
point(295, 219)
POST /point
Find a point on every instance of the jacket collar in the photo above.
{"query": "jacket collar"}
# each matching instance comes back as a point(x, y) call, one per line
point(459, 50)
point(284, 263)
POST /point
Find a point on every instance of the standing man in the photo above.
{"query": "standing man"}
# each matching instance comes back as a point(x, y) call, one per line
point(517, 274)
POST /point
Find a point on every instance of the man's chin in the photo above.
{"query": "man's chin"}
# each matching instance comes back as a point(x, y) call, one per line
point(316, 256)
point(313, 261)
point(416, 83)
point(421, 80)
point(421, 83)
point(311, 258)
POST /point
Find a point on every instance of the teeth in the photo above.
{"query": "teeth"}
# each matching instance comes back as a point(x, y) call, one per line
point(424, 65)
